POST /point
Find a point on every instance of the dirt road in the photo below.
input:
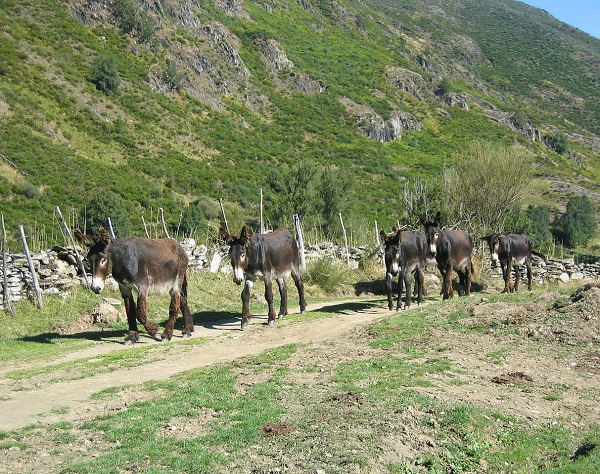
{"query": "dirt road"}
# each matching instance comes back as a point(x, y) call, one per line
point(70, 401)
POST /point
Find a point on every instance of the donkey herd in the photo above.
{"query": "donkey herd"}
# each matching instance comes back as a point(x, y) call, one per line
point(159, 266)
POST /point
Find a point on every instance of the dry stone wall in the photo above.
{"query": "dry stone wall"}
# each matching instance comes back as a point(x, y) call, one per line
point(57, 268)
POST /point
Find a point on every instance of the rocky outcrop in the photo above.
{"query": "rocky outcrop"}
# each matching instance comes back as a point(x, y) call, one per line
point(373, 126)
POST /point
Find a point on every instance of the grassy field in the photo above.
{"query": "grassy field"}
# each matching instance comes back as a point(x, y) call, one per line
point(407, 392)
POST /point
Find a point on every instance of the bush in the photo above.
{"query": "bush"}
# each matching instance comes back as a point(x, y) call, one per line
point(105, 75)
point(327, 275)
point(108, 204)
point(193, 220)
point(540, 225)
point(577, 226)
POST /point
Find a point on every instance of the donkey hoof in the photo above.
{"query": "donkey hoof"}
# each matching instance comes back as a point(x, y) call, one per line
point(187, 333)
point(271, 322)
point(244, 326)
point(131, 338)
point(165, 337)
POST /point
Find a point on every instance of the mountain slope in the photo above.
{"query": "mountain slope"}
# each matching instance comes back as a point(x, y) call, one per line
point(216, 96)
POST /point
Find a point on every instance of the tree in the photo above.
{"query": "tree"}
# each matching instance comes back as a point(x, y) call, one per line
point(333, 188)
point(105, 75)
point(485, 184)
point(558, 143)
point(108, 204)
point(540, 225)
point(577, 226)
point(192, 220)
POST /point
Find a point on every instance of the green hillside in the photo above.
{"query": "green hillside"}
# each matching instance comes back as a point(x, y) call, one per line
point(217, 99)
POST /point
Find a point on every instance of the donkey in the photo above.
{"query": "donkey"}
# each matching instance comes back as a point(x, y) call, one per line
point(453, 251)
point(405, 253)
point(512, 251)
point(269, 256)
point(148, 266)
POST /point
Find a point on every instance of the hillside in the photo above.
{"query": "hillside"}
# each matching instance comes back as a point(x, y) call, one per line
point(217, 98)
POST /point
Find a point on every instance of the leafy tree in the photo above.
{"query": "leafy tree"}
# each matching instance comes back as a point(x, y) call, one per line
point(105, 75)
point(540, 225)
point(192, 220)
point(316, 193)
point(485, 184)
point(108, 204)
point(577, 226)
point(559, 143)
point(296, 191)
point(333, 191)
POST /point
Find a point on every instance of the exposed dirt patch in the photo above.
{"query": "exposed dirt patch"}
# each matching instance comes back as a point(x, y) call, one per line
point(537, 362)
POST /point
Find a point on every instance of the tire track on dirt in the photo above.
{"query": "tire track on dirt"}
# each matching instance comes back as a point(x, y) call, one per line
point(226, 343)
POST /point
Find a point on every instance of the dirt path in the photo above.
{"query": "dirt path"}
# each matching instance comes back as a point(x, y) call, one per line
point(70, 401)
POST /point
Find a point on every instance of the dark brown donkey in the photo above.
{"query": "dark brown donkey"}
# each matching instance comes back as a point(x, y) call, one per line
point(269, 256)
point(148, 266)
point(405, 253)
point(453, 250)
point(512, 251)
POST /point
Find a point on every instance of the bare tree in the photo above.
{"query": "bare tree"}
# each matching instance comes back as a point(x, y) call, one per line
point(486, 182)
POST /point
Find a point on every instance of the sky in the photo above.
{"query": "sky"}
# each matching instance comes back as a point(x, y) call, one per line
point(582, 14)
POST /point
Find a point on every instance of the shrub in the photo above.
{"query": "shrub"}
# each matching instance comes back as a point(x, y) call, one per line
point(577, 226)
point(327, 275)
point(540, 225)
point(108, 204)
point(105, 75)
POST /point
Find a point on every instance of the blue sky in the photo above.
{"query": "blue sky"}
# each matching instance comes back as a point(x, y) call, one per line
point(583, 14)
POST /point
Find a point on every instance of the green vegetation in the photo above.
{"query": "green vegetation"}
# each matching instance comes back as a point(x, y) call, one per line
point(163, 108)
point(344, 412)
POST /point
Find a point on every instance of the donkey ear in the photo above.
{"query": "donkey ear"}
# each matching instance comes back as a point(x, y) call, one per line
point(104, 236)
point(225, 235)
point(383, 236)
point(87, 240)
point(423, 219)
point(245, 235)
point(487, 238)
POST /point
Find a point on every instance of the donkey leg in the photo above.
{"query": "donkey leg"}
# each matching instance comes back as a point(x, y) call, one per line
point(269, 298)
point(419, 285)
point(529, 275)
point(173, 313)
point(130, 309)
point(283, 307)
point(185, 311)
point(408, 290)
point(300, 287)
point(388, 287)
point(517, 278)
point(400, 290)
point(246, 303)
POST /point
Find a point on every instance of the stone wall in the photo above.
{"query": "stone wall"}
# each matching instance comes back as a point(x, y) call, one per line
point(57, 268)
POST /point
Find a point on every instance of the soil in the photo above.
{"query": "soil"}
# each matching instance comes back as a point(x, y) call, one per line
point(519, 381)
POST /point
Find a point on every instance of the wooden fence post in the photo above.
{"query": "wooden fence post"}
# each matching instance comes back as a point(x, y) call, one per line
point(36, 286)
point(72, 241)
point(110, 227)
point(262, 225)
point(300, 241)
point(162, 221)
point(6, 295)
point(224, 216)
point(145, 228)
point(345, 240)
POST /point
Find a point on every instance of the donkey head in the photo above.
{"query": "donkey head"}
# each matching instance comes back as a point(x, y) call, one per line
point(433, 229)
point(238, 252)
point(98, 256)
point(392, 252)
